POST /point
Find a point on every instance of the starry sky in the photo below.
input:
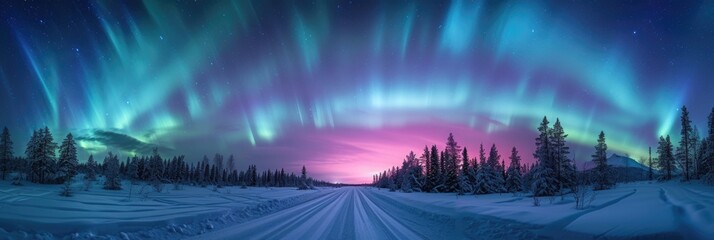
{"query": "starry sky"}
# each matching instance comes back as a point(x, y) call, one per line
point(348, 88)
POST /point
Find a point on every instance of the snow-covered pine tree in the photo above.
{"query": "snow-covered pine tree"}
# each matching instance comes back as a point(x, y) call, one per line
point(472, 172)
point(467, 169)
point(156, 170)
point(602, 176)
point(31, 155)
point(465, 180)
point(452, 153)
point(218, 161)
point(41, 153)
point(67, 165)
point(693, 151)
point(413, 172)
point(665, 156)
point(48, 154)
point(6, 154)
point(685, 144)
point(700, 158)
point(514, 180)
point(442, 171)
point(544, 181)
point(91, 168)
point(708, 162)
point(433, 178)
point(406, 182)
point(133, 170)
point(483, 184)
point(464, 185)
point(564, 171)
point(496, 174)
point(111, 163)
point(303, 180)
point(426, 158)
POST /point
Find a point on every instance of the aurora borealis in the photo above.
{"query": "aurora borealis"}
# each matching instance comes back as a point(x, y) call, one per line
point(350, 87)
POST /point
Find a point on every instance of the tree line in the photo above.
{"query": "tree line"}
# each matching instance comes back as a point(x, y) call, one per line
point(552, 173)
point(693, 158)
point(452, 170)
point(42, 165)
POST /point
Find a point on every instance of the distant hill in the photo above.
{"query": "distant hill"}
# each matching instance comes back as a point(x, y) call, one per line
point(625, 169)
point(616, 161)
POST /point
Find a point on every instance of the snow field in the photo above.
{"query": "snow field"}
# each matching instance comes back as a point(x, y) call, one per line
point(37, 211)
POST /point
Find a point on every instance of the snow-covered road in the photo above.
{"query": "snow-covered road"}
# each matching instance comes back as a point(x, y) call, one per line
point(347, 213)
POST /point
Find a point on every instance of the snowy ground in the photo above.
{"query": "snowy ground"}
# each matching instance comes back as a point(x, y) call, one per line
point(649, 210)
point(643, 210)
point(34, 210)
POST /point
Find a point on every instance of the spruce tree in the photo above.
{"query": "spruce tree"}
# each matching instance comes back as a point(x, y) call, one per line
point(133, 170)
point(483, 184)
point(564, 171)
point(91, 168)
point(426, 158)
point(543, 177)
point(442, 171)
point(451, 172)
point(218, 160)
point(433, 178)
point(303, 179)
point(665, 155)
point(466, 169)
point(514, 180)
point(543, 180)
point(111, 163)
point(707, 165)
point(41, 153)
point(156, 167)
point(602, 173)
point(685, 143)
point(496, 174)
point(67, 159)
point(6, 154)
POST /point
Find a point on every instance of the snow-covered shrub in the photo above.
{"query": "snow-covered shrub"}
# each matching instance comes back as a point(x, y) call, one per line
point(66, 188)
point(177, 186)
point(536, 200)
point(583, 195)
point(87, 184)
point(17, 180)
point(157, 185)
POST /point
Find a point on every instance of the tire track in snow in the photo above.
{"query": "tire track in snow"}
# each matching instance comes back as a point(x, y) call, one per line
point(347, 213)
point(279, 225)
point(560, 225)
point(387, 226)
point(686, 229)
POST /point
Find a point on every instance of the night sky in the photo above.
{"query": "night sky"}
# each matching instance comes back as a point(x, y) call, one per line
point(348, 88)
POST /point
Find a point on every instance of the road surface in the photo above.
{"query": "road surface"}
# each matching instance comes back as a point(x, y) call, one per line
point(346, 213)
